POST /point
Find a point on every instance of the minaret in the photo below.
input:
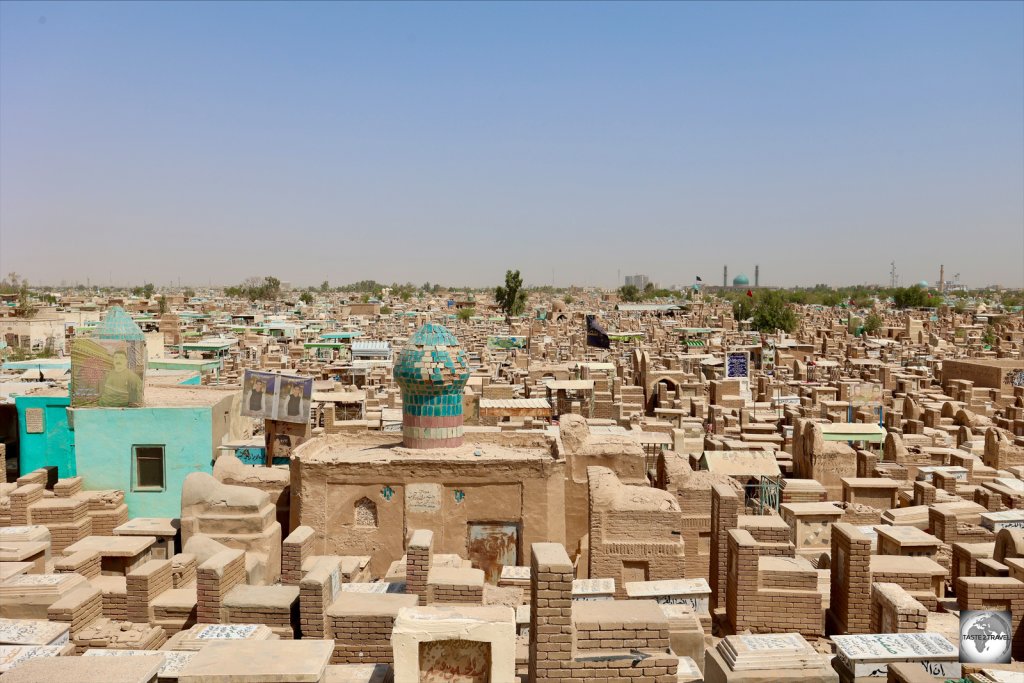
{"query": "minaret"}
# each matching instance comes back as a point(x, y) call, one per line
point(725, 277)
point(942, 278)
point(757, 276)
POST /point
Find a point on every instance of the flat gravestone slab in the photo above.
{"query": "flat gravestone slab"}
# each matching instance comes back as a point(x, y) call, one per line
point(593, 589)
point(273, 661)
point(358, 673)
point(32, 532)
point(112, 546)
point(86, 670)
point(515, 573)
point(9, 569)
point(1005, 519)
point(148, 526)
point(13, 655)
point(688, 671)
point(33, 632)
point(693, 592)
point(174, 660)
point(777, 651)
point(870, 654)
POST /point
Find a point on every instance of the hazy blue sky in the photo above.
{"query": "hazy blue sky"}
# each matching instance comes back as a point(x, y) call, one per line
point(447, 142)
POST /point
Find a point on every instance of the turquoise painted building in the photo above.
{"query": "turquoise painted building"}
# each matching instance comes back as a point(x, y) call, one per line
point(44, 435)
point(148, 452)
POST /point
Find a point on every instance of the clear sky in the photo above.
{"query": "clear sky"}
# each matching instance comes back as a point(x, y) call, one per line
point(448, 142)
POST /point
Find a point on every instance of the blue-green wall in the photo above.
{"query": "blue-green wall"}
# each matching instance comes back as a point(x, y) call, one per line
point(106, 436)
point(56, 445)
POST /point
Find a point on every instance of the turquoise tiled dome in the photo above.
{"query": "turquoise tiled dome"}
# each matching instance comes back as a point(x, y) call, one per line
point(740, 280)
point(432, 370)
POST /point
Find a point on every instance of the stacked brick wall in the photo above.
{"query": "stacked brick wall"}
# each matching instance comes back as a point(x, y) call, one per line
point(765, 602)
point(620, 636)
point(551, 575)
point(183, 570)
point(924, 493)
point(965, 560)
point(67, 487)
point(725, 507)
point(215, 578)
point(115, 601)
point(21, 498)
point(850, 600)
point(281, 620)
point(107, 511)
point(458, 594)
point(86, 563)
point(893, 610)
point(419, 555)
point(78, 609)
point(362, 639)
point(295, 549)
point(317, 591)
point(143, 585)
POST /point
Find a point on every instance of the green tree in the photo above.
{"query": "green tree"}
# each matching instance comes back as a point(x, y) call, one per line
point(772, 312)
point(306, 298)
point(568, 299)
point(988, 337)
point(325, 286)
point(629, 293)
point(873, 324)
point(910, 297)
point(25, 307)
point(189, 293)
point(742, 309)
point(512, 297)
point(161, 303)
point(465, 314)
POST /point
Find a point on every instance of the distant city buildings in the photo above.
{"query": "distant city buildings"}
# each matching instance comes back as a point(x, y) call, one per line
point(638, 281)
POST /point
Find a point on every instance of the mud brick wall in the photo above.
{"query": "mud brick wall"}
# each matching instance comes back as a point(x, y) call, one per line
point(965, 560)
point(924, 493)
point(183, 570)
point(419, 555)
point(79, 609)
point(279, 620)
point(34, 477)
point(296, 548)
point(86, 563)
point(67, 487)
point(995, 593)
point(725, 506)
point(850, 600)
point(893, 610)
point(143, 585)
point(991, 500)
point(58, 511)
point(636, 667)
point(63, 535)
point(317, 591)
point(105, 521)
point(461, 594)
point(782, 606)
point(364, 639)
point(945, 481)
point(115, 602)
point(551, 576)
point(3, 463)
point(215, 578)
point(697, 542)
point(21, 498)
point(866, 462)
point(621, 636)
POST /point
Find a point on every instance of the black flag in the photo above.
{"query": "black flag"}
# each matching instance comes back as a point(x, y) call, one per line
point(596, 336)
point(698, 279)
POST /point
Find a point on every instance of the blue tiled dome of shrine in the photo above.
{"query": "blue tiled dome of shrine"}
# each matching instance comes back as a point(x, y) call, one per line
point(740, 280)
point(432, 371)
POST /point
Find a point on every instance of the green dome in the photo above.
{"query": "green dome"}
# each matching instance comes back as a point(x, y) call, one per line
point(739, 280)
